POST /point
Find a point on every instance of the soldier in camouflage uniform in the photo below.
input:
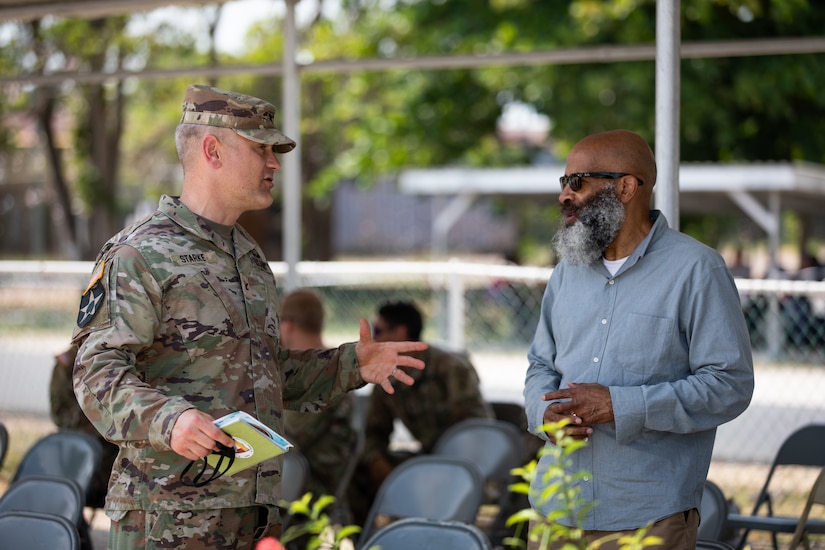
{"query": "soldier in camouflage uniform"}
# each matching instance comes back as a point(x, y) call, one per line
point(67, 415)
point(448, 392)
point(327, 438)
point(179, 326)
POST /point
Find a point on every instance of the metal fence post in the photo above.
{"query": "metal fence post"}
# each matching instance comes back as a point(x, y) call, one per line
point(455, 311)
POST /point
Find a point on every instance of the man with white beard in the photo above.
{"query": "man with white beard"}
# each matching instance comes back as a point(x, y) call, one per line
point(641, 344)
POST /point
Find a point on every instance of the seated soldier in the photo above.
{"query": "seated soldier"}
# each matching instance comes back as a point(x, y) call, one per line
point(67, 415)
point(325, 438)
point(446, 392)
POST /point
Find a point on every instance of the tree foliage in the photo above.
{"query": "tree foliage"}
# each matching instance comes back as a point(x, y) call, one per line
point(364, 125)
point(737, 108)
point(86, 168)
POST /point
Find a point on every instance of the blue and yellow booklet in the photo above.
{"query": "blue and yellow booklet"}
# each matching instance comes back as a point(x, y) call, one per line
point(254, 441)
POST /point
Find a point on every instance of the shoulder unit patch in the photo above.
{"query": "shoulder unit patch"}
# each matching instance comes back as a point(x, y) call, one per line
point(92, 297)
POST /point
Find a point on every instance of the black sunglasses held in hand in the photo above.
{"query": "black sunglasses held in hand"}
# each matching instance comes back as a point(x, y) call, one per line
point(575, 180)
point(225, 452)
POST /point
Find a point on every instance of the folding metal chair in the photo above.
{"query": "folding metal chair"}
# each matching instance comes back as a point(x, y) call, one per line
point(804, 447)
point(37, 531)
point(4, 443)
point(495, 447)
point(294, 479)
point(817, 496)
point(713, 514)
point(295, 475)
point(430, 486)
point(55, 495)
point(418, 533)
point(71, 454)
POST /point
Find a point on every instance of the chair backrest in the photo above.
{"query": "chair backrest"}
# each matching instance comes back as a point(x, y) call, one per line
point(37, 531)
point(713, 513)
point(510, 412)
point(418, 534)
point(4, 442)
point(816, 496)
point(430, 486)
point(295, 475)
point(75, 455)
point(494, 446)
point(55, 495)
point(712, 545)
point(804, 447)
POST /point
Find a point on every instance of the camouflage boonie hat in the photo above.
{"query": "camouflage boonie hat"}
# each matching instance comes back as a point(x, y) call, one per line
point(248, 116)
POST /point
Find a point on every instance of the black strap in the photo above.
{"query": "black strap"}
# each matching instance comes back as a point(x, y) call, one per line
point(224, 452)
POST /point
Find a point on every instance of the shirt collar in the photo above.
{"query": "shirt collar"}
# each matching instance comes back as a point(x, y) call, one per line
point(660, 226)
point(188, 220)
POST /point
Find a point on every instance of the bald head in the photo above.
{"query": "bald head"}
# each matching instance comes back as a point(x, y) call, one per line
point(616, 151)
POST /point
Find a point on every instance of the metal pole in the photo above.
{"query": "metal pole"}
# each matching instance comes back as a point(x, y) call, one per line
point(777, 323)
point(709, 49)
point(291, 162)
point(775, 236)
point(456, 313)
point(668, 38)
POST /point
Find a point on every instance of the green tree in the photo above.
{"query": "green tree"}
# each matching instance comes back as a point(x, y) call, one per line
point(365, 125)
point(85, 163)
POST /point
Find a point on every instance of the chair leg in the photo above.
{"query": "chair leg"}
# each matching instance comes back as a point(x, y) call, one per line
point(85, 535)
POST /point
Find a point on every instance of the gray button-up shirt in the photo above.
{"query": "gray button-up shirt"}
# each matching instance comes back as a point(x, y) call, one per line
point(667, 335)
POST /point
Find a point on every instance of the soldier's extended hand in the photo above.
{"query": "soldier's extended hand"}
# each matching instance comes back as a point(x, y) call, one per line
point(380, 360)
point(194, 435)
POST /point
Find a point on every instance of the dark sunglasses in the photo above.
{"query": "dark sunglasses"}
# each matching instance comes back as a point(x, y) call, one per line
point(575, 180)
point(199, 480)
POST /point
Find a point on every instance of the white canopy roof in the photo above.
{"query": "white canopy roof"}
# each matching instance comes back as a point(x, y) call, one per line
point(703, 187)
point(761, 190)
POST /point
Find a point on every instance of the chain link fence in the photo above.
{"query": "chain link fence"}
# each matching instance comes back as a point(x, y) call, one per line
point(491, 311)
point(488, 310)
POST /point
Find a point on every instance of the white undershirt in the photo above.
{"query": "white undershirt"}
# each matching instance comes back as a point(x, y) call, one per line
point(614, 265)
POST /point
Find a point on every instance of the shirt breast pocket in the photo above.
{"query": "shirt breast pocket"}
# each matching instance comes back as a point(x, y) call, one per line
point(644, 348)
point(204, 314)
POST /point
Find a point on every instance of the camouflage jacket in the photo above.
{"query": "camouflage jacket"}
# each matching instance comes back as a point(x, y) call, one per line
point(326, 438)
point(174, 320)
point(444, 393)
point(64, 409)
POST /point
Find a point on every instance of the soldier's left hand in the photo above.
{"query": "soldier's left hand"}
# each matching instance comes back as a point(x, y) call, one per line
point(381, 360)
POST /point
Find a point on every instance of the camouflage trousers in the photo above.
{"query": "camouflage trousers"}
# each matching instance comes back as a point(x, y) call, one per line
point(224, 529)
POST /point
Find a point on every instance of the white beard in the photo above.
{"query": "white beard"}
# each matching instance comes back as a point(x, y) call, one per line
point(597, 223)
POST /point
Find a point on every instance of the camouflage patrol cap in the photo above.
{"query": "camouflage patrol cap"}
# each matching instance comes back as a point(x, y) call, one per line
point(248, 116)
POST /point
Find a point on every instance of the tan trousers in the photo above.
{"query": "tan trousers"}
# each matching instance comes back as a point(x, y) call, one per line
point(678, 532)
